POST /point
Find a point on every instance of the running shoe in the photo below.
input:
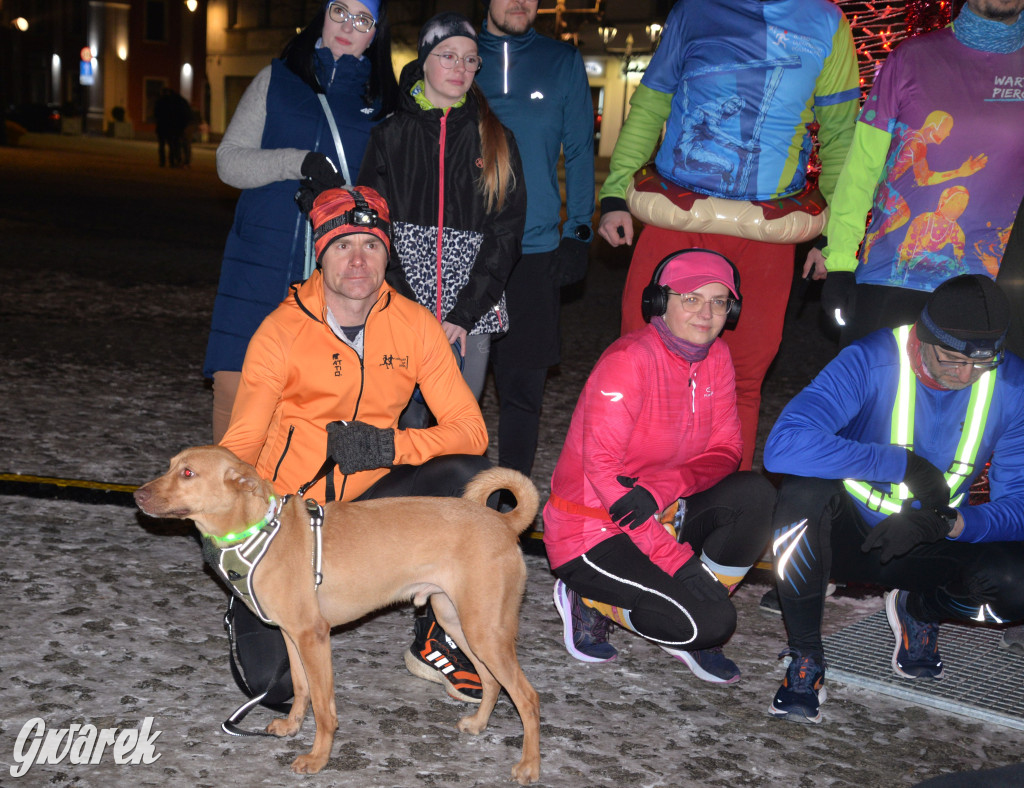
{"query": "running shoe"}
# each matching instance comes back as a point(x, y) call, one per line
point(803, 690)
point(435, 657)
point(584, 630)
point(916, 654)
point(708, 664)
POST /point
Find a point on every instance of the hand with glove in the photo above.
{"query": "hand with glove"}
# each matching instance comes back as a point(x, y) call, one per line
point(318, 175)
point(836, 295)
point(635, 507)
point(571, 260)
point(321, 172)
point(926, 482)
point(899, 533)
point(356, 446)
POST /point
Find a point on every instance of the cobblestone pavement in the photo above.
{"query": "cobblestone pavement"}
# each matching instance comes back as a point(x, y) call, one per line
point(108, 267)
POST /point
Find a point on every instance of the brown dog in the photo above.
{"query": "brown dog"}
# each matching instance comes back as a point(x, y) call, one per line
point(375, 553)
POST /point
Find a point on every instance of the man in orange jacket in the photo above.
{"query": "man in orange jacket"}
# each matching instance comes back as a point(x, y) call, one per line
point(327, 375)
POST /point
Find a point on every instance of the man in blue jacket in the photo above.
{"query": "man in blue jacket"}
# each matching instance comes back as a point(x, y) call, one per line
point(538, 88)
point(881, 450)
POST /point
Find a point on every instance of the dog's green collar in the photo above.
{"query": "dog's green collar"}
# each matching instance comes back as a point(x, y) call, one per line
point(269, 517)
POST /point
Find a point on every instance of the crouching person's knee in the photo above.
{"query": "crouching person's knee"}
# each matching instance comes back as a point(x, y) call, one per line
point(710, 609)
point(999, 583)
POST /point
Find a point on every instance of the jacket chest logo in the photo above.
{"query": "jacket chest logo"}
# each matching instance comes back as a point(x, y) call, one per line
point(336, 364)
point(390, 361)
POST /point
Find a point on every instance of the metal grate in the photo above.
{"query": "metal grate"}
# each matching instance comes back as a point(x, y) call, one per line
point(981, 679)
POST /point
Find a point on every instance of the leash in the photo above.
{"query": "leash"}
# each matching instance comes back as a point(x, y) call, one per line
point(230, 725)
point(325, 469)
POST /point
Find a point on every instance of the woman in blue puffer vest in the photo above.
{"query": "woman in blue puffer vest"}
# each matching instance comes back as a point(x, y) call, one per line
point(279, 136)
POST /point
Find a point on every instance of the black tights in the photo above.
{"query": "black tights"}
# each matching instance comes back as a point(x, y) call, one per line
point(690, 609)
point(818, 532)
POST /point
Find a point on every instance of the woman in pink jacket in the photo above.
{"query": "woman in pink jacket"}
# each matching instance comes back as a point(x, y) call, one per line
point(649, 524)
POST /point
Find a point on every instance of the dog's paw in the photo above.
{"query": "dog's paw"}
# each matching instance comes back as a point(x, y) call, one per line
point(308, 764)
point(283, 726)
point(525, 772)
point(471, 724)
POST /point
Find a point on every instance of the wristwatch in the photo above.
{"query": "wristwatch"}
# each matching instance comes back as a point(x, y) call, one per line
point(583, 232)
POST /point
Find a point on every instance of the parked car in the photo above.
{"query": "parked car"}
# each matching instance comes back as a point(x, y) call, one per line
point(36, 116)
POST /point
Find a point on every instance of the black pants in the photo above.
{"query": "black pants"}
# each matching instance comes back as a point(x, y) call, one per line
point(818, 533)
point(171, 143)
point(690, 609)
point(522, 357)
point(443, 477)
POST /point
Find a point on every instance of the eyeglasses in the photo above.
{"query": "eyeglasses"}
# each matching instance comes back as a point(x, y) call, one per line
point(339, 13)
point(982, 366)
point(695, 303)
point(450, 60)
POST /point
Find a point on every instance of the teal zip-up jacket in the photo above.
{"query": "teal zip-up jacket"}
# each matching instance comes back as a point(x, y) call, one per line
point(538, 88)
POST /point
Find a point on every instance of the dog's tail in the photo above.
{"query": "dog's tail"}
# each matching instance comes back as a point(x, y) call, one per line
point(486, 483)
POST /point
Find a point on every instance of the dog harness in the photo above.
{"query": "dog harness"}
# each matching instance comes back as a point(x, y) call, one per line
point(236, 563)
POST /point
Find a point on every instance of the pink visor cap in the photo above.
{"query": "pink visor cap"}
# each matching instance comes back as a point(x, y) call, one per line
point(693, 269)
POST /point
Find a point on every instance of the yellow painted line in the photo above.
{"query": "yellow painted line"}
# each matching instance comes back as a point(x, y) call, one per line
point(58, 482)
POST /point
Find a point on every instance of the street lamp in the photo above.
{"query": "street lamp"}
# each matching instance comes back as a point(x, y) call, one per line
point(629, 53)
point(21, 23)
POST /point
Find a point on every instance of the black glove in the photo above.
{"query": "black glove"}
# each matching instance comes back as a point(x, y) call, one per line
point(571, 261)
point(635, 507)
point(318, 175)
point(898, 534)
point(356, 446)
point(926, 482)
point(321, 172)
point(836, 293)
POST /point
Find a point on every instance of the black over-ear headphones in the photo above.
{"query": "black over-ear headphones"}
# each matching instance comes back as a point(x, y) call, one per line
point(654, 301)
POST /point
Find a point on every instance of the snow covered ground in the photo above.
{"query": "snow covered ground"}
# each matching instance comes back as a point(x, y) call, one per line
point(107, 272)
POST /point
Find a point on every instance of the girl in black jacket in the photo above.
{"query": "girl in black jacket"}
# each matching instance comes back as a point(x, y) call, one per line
point(454, 184)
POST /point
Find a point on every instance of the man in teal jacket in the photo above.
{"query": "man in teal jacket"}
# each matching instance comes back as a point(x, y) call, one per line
point(538, 88)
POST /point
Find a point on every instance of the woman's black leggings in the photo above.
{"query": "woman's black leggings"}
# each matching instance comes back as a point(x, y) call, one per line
point(689, 610)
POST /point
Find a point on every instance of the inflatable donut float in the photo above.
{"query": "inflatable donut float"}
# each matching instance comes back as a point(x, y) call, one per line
point(788, 220)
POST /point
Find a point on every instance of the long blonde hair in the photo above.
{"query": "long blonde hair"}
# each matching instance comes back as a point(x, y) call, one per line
point(497, 179)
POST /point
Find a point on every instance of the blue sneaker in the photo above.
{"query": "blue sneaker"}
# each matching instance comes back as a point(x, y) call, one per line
point(916, 654)
point(584, 630)
point(707, 664)
point(803, 690)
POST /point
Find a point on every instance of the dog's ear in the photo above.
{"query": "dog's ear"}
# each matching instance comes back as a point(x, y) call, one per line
point(249, 482)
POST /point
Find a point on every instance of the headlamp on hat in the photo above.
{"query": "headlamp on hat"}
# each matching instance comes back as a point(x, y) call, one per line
point(340, 212)
point(967, 314)
point(979, 348)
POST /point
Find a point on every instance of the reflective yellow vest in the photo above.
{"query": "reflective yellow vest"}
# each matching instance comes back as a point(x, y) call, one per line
point(902, 434)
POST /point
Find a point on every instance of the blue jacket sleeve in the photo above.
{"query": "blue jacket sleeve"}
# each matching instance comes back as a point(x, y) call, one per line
point(838, 427)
